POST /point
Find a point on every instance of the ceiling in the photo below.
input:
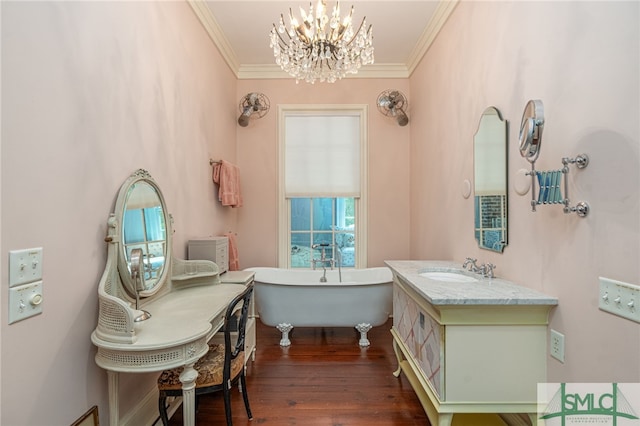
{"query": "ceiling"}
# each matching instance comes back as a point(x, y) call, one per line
point(402, 31)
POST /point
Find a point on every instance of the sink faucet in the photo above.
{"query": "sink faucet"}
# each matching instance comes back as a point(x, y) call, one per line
point(486, 269)
point(471, 263)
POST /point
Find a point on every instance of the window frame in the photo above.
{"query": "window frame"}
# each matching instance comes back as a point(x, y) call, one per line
point(283, 203)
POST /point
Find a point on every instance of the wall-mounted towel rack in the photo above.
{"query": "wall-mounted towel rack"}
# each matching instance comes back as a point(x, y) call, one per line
point(549, 182)
point(551, 189)
point(212, 161)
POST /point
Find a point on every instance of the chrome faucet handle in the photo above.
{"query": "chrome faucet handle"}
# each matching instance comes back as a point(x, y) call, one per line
point(487, 270)
point(490, 267)
point(470, 261)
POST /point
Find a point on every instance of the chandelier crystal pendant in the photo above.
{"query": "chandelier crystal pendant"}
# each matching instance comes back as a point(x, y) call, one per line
point(321, 47)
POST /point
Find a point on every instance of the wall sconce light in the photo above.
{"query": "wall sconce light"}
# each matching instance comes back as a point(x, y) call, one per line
point(252, 103)
point(393, 103)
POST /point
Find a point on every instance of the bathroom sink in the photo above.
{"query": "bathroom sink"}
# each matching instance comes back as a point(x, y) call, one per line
point(454, 277)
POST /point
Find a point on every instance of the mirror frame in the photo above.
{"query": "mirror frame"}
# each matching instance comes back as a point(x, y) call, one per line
point(503, 225)
point(140, 176)
point(531, 128)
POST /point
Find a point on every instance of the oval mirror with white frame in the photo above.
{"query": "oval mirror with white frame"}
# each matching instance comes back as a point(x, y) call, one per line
point(142, 214)
point(140, 267)
point(490, 181)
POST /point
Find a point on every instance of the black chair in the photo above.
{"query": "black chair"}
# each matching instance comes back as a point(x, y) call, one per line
point(221, 367)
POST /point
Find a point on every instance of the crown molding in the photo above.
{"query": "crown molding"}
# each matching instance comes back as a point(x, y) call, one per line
point(216, 34)
point(439, 18)
point(272, 71)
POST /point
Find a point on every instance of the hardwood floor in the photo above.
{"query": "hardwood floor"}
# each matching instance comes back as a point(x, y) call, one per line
point(323, 379)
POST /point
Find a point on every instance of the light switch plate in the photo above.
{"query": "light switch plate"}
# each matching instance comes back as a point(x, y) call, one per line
point(25, 301)
point(25, 266)
point(620, 298)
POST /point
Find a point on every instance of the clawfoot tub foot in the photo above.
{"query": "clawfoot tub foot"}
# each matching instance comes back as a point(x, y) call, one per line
point(363, 328)
point(284, 328)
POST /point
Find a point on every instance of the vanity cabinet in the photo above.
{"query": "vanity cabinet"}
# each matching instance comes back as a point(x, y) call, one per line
point(477, 347)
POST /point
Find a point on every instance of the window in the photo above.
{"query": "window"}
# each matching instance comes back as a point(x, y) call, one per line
point(322, 186)
point(329, 221)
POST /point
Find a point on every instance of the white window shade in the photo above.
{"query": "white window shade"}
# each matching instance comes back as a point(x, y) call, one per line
point(322, 156)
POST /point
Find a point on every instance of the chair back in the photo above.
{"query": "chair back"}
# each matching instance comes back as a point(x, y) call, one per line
point(235, 321)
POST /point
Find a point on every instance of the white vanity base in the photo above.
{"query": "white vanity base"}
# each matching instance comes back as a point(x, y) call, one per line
point(441, 412)
point(466, 349)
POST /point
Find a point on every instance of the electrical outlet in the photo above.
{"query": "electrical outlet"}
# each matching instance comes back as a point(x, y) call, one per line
point(556, 345)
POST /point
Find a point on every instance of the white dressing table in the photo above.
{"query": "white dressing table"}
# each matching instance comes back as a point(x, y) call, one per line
point(186, 298)
point(176, 335)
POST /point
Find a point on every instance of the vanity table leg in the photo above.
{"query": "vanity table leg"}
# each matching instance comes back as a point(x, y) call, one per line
point(114, 411)
point(445, 419)
point(188, 379)
point(399, 357)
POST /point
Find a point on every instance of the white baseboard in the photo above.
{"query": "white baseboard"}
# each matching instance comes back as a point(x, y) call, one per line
point(515, 419)
point(174, 403)
point(145, 412)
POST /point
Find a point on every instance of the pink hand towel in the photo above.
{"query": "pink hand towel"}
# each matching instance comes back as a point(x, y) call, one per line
point(234, 262)
point(227, 176)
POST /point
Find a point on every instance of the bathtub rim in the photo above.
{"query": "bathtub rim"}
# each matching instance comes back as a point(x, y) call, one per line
point(317, 273)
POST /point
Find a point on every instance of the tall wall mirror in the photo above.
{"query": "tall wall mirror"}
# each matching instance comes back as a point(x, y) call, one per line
point(490, 181)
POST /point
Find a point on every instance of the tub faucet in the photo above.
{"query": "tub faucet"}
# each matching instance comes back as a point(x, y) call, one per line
point(324, 260)
point(323, 278)
point(339, 261)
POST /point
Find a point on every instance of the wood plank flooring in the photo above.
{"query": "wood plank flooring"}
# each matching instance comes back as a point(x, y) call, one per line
point(323, 379)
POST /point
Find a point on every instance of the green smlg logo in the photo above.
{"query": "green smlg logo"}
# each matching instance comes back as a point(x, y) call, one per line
point(582, 408)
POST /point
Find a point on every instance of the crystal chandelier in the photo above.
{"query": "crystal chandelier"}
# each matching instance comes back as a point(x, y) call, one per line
point(321, 48)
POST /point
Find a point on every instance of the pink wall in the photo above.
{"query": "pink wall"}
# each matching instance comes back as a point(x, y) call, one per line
point(388, 236)
point(582, 60)
point(92, 91)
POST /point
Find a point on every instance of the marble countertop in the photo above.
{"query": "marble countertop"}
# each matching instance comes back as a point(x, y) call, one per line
point(486, 291)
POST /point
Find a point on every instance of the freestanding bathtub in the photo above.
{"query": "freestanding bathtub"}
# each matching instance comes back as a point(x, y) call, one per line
point(287, 298)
